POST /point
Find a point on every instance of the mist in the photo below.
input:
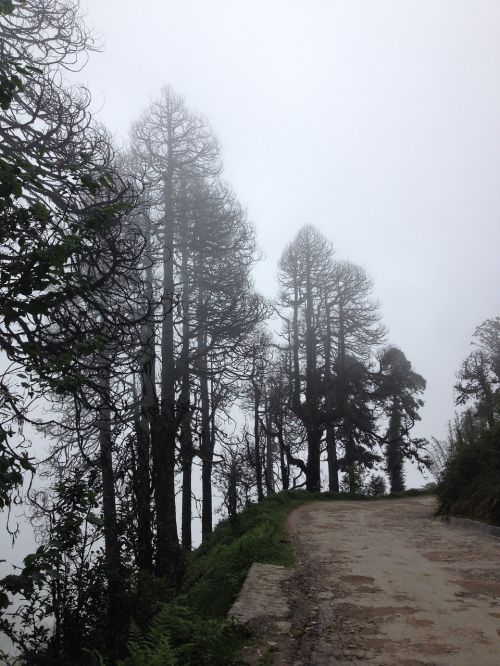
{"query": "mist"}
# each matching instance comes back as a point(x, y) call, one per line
point(376, 122)
point(249, 264)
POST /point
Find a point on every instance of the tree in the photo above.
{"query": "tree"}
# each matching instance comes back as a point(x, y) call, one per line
point(223, 313)
point(259, 360)
point(69, 255)
point(171, 144)
point(479, 376)
point(467, 464)
point(376, 486)
point(235, 478)
point(354, 322)
point(305, 265)
point(399, 388)
point(32, 146)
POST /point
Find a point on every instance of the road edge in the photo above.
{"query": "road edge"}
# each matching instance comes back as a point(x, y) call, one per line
point(473, 525)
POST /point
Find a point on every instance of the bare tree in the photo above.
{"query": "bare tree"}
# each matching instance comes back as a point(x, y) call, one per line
point(172, 143)
point(305, 265)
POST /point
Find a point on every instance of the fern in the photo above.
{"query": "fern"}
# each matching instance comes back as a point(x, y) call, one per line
point(96, 656)
point(151, 648)
point(177, 636)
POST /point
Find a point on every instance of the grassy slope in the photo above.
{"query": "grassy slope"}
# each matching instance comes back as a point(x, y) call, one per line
point(217, 570)
point(193, 628)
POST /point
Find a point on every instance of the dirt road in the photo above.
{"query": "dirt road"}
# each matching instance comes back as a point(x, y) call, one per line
point(385, 583)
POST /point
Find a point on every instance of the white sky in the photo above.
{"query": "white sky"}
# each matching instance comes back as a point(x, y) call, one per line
point(376, 120)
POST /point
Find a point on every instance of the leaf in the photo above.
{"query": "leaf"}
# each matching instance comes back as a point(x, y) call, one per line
point(95, 520)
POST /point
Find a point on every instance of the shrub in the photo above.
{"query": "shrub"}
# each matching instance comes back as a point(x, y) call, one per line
point(470, 481)
point(376, 486)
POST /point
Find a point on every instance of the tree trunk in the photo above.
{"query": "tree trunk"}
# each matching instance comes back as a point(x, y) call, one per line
point(331, 444)
point(232, 495)
point(167, 543)
point(285, 470)
point(313, 425)
point(350, 462)
point(114, 573)
point(393, 450)
point(313, 476)
point(146, 426)
point(142, 493)
point(333, 467)
point(256, 432)
point(205, 437)
point(269, 452)
point(295, 352)
point(185, 397)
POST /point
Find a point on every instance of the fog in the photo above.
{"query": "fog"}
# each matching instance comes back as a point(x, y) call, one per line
point(375, 121)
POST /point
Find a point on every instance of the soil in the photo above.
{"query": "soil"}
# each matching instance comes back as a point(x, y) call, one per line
point(385, 583)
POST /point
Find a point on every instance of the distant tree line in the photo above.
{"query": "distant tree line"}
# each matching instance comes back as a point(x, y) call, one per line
point(134, 341)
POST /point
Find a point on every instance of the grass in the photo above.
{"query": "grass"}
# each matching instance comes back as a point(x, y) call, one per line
point(193, 628)
point(217, 569)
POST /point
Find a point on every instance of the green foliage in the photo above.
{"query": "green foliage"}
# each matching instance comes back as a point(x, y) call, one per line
point(178, 636)
point(149, 649)
point(219, 567)
point(467, 464)
point(6, 6)
point(376, 486)
point(398, 390)
point(470, 483)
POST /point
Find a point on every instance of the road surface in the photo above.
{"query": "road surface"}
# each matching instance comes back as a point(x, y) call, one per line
point(385, 583)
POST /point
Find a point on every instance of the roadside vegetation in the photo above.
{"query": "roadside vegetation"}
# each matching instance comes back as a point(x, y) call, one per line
point(467, 463)
point(194, 628)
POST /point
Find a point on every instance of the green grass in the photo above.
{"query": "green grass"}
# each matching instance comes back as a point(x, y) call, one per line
point(217, 569)
point(194, 626)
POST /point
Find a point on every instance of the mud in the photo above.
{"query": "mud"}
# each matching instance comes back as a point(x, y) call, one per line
point(384, 583)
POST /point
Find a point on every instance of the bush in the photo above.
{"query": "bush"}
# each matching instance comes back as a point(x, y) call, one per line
point(376, 486)
point(470, 482)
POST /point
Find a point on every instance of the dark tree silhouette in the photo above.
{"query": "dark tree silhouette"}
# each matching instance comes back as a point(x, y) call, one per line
point(399, 387)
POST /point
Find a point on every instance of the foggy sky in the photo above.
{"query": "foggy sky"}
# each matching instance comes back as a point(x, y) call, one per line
point(378, 121)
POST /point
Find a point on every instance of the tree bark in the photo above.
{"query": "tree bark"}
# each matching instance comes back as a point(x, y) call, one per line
point(167, 543)
point(185, 402)
point(313, 426)
point(269, 452)
point(205, 434)
point(285, 470)
point(331, 444)
point(342, 402)
point(146, 425)
point(114, 572)
point(256, 432)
